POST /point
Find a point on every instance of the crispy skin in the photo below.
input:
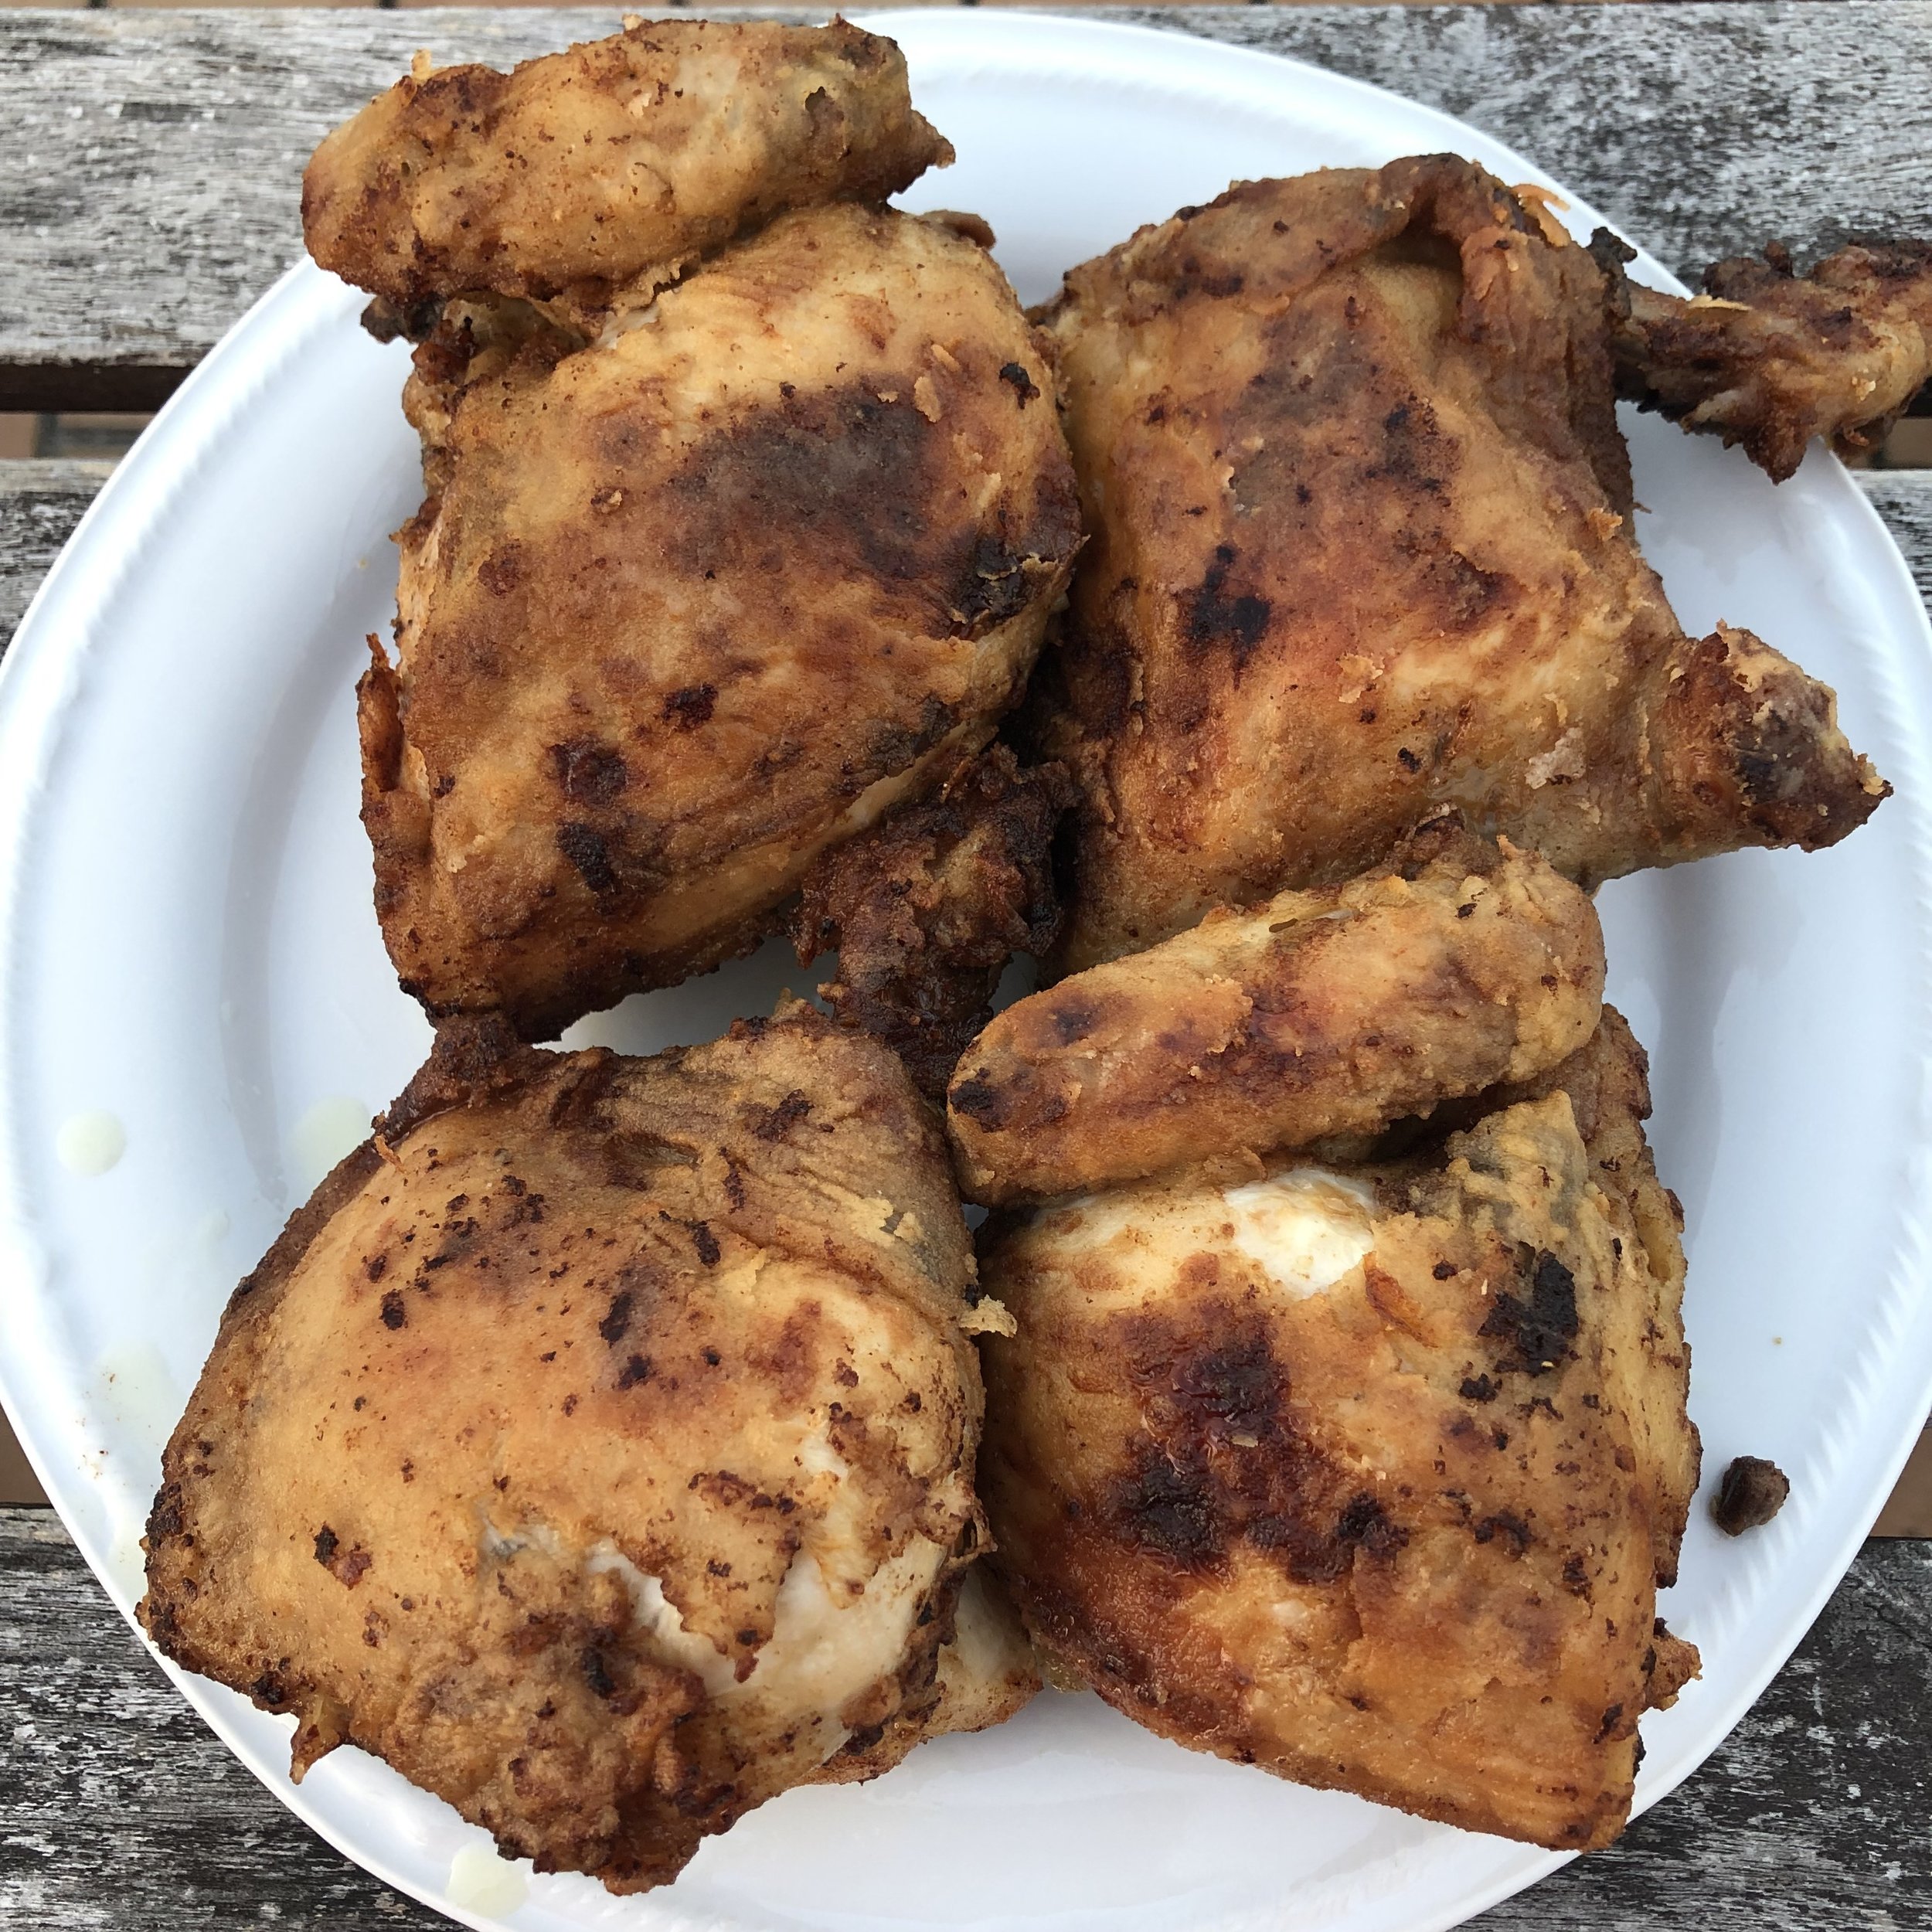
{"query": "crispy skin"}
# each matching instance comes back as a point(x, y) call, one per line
point(1326, 1012)
point(571, 1323)
point(588, 175)
point(926, 910)
point(1770, 359)
point(1401, 1535)
point(1360, 546)
point(686, 610)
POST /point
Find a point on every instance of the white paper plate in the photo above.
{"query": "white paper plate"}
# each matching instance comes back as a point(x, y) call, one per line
point(188, 947)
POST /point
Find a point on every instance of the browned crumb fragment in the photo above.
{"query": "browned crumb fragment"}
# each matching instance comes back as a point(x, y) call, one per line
point(926, 910)
point(1751, 1493)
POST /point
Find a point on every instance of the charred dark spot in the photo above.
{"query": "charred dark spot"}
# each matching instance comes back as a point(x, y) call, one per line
point(1538, 1327)
point(1236, 1390)
point(1477, 1388)
point(1023, 385)
point(706, 1243)
point(1576, 1576)
point(326, 1542)
point(979, 1099)
point(774, 1123)
point(1609, 1724)
point(1505, 1523)
point(1169, 1512)
point(1444, 1270)
point(587, 851)
point(994, 586)
point(1407, 759)
point(588, 771)
point(636, 1370)
point(691, 706)
point(394, 1313)
point(596, 1673)
point(1214, 618)
point(376, 1266)
point(712, 1358)
point(618, 1320)
point(1073, 1019)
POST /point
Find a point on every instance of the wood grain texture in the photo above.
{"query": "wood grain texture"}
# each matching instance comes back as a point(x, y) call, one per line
point(39, 504)
point(119, 1809)
point(148, 175)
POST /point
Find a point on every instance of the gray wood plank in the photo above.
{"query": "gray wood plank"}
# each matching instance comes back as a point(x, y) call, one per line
point(119, 1809)
point(148, 175)
point(39, 504)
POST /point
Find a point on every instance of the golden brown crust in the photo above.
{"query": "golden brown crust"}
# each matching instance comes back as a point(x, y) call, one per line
point(925, 909)
point(596, 1445)
point(1360, 546)
point(688, 608)
point(1770, 359)
point(1396, 1531)
point(577, 177)
point(1326, 1012)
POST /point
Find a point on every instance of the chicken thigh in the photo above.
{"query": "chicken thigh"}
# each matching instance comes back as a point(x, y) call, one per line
point(709, 576)
point(1361, 548)
point(597, 1445)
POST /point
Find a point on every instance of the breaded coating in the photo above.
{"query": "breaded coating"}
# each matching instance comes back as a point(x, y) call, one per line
point(1770, 358)
point(1366, 1477)
point(926, 910)
point(1329, 1012)
point(597, 1445)
point(587, 176)
point(688, 608)
point(1360, 546)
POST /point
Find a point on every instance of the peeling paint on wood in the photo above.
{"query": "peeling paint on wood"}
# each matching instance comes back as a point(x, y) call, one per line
point(121, 1810)
point(148, 179)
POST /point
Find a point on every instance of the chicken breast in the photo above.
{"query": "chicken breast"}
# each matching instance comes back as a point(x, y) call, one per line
point(1458, 964)
point(1366, 1476)
point(688, 608)
point(597, 1445)
point(584, 179)
point(1362, 547)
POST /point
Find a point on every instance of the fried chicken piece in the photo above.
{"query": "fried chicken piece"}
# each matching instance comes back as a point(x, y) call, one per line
point(1329, 1012)
point(926, 910)
point(1361, 546)
point(686, 609)
point(1368, 1476)
point(1770, 359)
point(596, 1444)
point(589, 176)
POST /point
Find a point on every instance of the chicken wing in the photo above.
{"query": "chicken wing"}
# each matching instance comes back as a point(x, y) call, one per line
point(583, 178)
point(1770, 358)
point(1322, 1013)
point(926, 910)
point(1365, 1476)
point(1361, 547)
point(596, 1444)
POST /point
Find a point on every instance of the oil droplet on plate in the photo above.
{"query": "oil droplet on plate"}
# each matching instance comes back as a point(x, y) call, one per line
point(330, 1129)
point(481, 1881)
point(91, 1144)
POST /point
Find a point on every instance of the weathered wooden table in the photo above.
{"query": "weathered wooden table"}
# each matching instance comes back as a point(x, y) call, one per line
point(148, 164)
